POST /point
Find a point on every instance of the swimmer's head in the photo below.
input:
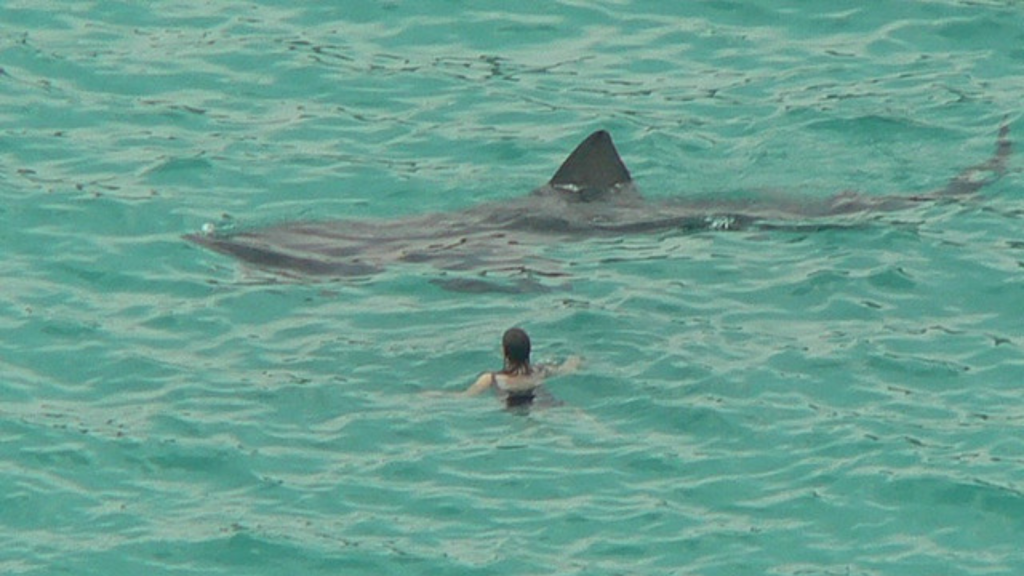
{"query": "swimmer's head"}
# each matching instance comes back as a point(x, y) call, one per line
point(516, 346)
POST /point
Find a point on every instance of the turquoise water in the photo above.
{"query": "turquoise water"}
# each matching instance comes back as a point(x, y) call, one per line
point(840, 402)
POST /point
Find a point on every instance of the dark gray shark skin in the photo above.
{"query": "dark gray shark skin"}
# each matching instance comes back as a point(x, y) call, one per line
point(592, 194)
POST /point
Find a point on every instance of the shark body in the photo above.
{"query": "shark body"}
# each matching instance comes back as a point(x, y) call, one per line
point(591, 194)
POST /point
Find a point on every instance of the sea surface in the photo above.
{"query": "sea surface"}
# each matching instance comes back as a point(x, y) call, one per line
point(845, 400)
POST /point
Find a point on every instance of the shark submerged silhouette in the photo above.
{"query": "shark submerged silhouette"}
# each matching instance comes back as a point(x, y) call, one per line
point(591, 194)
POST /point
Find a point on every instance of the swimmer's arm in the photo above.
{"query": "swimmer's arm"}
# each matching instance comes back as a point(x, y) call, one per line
point(571, 364)
point(482, 383)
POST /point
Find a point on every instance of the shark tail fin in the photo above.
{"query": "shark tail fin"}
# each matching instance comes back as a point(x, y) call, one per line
point(594, 164)
point(974, 178)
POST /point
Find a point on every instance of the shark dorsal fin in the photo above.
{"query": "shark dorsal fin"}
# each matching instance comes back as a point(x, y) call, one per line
point(594, 165)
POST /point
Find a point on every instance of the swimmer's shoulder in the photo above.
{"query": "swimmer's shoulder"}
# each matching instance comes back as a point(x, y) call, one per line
point(485, 381)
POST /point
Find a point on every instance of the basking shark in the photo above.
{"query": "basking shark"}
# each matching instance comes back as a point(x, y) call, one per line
point(591, 194)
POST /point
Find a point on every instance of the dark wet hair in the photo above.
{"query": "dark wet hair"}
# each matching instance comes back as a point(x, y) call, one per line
point(516, 346)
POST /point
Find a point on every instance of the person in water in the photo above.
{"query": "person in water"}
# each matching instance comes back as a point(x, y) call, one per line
point(519, 382)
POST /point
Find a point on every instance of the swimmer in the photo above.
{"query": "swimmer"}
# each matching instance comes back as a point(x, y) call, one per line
point(519, 382)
